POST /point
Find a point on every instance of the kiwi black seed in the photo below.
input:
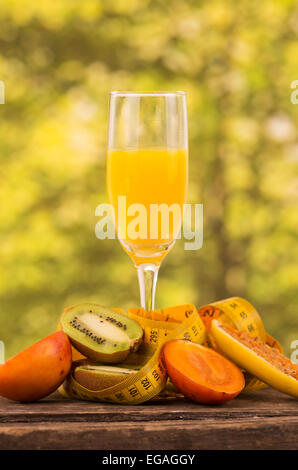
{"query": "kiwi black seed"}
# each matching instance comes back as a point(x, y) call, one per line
point(100, 333)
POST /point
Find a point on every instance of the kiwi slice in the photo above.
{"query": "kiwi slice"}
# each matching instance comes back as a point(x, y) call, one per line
point(100, 333)
point(98, 377)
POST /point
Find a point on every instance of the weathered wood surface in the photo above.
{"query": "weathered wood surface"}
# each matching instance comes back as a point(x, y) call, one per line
point(262, 420)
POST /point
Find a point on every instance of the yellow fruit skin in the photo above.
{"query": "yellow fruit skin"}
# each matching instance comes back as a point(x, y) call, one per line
point(250, 361)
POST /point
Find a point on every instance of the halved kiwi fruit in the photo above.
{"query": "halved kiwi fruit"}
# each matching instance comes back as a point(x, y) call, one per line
point(100, 333)
point(98, 377)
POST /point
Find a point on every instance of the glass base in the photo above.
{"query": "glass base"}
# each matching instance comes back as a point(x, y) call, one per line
point(147, 253)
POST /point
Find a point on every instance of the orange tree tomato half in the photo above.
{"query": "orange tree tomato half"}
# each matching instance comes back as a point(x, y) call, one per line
point(200, 373)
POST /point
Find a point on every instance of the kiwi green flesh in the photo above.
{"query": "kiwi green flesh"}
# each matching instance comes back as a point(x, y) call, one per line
point(100, 333)
point(97, 378)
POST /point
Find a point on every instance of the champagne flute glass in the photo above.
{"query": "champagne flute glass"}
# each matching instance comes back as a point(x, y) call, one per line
point(147, 172)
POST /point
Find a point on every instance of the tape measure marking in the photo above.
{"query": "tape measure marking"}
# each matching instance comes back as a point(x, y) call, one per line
point(151, 379)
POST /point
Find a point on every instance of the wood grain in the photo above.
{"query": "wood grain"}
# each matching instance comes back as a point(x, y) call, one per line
point(262, 420)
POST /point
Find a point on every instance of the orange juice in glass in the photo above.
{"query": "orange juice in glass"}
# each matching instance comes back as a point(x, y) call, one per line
point(147, 172)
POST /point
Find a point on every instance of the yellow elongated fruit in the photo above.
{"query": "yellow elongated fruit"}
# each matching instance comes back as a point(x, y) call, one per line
point(268, 364)
point(241, 315)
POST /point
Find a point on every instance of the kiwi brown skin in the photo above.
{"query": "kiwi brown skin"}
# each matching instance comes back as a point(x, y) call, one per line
point(134, 348)
point(92, 380)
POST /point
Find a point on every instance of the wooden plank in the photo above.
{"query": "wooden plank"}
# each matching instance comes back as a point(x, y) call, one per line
point(55, 408)
point(263, 420)
point(253, 433)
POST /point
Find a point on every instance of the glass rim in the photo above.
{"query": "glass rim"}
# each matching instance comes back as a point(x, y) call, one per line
point(147, 93)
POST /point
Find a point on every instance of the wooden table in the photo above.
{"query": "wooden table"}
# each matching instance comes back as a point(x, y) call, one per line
point(262, 420)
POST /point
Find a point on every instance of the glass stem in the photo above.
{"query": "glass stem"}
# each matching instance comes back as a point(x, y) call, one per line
point(147, 275)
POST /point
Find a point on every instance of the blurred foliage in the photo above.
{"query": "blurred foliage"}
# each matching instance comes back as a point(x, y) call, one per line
point(59, 60)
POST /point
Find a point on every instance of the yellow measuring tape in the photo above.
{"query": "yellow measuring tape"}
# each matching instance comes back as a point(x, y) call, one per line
point(160, 326)
point(151, 379)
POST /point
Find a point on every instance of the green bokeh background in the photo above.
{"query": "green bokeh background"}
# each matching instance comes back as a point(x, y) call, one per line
point(59, 60)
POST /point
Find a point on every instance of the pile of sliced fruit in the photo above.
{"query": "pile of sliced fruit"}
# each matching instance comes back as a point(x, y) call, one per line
point(94, 344)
